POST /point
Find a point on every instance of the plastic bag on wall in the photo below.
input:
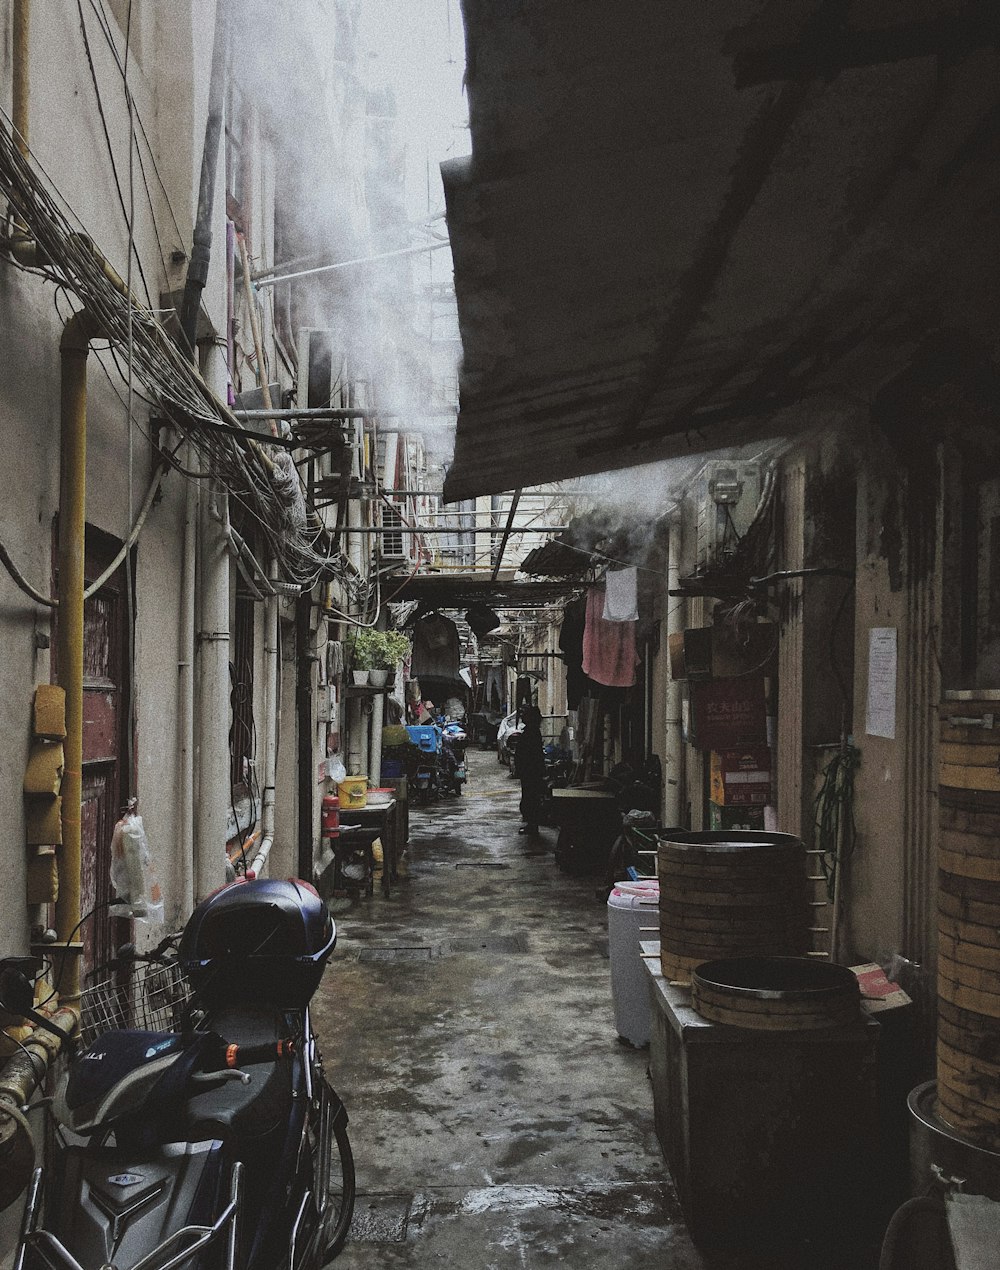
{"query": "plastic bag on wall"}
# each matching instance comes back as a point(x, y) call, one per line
point(137, 890)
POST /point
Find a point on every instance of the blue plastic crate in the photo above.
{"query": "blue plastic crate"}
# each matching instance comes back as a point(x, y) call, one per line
point(427, 736)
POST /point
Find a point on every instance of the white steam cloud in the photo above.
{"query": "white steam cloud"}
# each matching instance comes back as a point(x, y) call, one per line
point(365, 101)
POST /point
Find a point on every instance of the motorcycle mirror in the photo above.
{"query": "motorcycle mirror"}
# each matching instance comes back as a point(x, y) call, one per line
point(17, 996)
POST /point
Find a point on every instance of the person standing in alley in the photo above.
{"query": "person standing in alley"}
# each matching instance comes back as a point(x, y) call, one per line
point(530, 760)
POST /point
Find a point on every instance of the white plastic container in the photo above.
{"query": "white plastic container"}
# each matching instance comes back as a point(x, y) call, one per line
point(631, 906)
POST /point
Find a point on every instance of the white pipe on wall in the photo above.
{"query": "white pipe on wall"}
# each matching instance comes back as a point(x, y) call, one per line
point(673, 759)
point(185, 697)
point(356, 756)
point(213, 700)
point(271, 734)
point(375, 763)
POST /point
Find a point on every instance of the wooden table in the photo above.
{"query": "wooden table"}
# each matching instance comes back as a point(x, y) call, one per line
point(770, 1136)
point(589, 822)
point(386, 818)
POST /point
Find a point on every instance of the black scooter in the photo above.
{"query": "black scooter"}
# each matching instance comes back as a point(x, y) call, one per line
point(168, 1153)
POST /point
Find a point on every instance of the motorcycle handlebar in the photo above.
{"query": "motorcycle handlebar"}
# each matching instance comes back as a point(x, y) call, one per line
point(128, 956)
point(234, 1056)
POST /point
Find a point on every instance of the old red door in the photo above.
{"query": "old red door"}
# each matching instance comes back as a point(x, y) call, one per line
point(106, 719)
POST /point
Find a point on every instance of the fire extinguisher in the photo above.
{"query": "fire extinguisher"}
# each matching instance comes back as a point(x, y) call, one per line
point(330, 816)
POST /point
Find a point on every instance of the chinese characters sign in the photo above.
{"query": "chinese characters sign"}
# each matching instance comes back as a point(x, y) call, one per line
point(729, 713)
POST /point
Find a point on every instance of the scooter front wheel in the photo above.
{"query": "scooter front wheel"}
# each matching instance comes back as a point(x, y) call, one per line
point(334, 1167)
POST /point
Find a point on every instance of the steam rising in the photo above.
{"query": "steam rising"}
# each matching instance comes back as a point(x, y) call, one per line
point(365, 99)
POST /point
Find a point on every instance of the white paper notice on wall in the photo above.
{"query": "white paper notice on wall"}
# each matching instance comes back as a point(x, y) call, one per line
point(880, 715)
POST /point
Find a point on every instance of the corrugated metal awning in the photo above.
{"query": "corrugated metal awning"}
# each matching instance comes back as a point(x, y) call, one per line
point(461, 590)
point(683, 221)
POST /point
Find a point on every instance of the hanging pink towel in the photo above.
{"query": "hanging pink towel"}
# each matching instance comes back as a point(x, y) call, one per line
point(609, 655)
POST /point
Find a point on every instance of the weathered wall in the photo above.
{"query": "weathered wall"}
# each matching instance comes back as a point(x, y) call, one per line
point(889, 899)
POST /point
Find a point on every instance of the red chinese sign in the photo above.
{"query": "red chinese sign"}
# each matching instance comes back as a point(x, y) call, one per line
point(729, 712)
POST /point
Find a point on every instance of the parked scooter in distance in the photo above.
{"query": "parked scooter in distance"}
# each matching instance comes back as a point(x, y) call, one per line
point(455, 738)
point(427, 737)
point(200, 1131)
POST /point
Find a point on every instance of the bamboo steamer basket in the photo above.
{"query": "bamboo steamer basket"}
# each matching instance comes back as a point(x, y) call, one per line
point(968, 1056)
point(776, 994)
point(729, 894)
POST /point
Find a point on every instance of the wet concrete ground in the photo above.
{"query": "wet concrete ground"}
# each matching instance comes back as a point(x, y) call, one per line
point(496, 1119)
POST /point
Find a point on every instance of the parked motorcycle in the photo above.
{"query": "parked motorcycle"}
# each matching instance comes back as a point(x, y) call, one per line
point(456, 734)
point(196, 1127)
point(427, 737)
point(452, 769)
point(438, 770)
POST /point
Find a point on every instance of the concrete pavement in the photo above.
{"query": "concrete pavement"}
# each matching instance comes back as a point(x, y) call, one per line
point(497, 1120)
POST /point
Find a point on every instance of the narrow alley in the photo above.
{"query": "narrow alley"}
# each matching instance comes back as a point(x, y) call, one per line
point(519, 480)
point(496, 1118)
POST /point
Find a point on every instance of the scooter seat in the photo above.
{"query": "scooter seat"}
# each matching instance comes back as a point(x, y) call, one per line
point(246, 1111)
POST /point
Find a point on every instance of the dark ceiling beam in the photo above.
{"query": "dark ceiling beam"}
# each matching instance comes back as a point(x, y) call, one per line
point(506, 535)
point(764, 139)
point(951, 38)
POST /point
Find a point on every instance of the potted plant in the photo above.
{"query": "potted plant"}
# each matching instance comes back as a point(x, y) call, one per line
point(378, 652)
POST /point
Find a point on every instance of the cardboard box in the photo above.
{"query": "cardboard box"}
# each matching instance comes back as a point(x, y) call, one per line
point(43, 878)
point(878, 992)
point(740, 777)
point(42, 822)
point(49, 721)
point(44, 772)
point(726, 818)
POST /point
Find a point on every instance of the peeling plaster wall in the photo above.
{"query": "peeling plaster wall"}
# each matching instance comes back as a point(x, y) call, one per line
point(66, 134)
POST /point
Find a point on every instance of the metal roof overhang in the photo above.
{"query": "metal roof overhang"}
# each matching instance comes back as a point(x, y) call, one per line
point(459, 591)
point(687, 226)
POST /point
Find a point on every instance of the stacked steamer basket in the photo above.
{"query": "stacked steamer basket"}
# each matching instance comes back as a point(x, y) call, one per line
point(776, 994)
point(730, 894)
point(968, 1055)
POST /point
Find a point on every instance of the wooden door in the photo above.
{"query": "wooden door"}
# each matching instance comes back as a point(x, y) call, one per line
point(106, 719)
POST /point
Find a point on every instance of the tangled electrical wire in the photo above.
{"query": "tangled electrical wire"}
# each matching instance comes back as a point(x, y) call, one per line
point(836, 832)
point(262, 479)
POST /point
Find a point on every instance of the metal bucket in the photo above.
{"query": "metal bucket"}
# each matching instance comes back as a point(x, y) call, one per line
point(939, 1153)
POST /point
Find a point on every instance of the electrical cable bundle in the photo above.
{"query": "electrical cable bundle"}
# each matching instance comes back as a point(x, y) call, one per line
point(835, 829)
point(172, 386)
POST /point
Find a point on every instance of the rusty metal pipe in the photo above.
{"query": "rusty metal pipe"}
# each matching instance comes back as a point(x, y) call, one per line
point(25, 1070)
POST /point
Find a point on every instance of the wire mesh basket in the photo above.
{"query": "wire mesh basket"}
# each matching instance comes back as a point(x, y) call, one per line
point(150, 998)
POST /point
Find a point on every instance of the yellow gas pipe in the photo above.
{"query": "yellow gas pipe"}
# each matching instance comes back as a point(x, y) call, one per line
point(74, 347)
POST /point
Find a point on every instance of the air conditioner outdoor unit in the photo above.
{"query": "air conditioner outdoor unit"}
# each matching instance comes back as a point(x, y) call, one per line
point(394, 543)
point(728, 497)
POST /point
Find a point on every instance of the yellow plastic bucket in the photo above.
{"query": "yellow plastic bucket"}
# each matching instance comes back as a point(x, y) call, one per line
point(353, 791)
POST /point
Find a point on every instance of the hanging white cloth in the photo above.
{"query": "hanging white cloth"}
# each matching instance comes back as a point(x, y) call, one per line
point(620, 602)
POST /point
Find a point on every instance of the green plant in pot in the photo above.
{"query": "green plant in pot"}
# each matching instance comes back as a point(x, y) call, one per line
point(378, 653)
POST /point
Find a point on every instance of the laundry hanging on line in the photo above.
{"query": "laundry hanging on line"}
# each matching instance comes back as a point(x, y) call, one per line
point(620, 595)
point(609, 652)
point(436, 653)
